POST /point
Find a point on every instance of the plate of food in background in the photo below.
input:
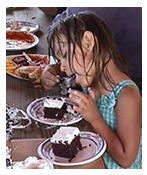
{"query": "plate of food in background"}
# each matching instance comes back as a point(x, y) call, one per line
point(19, 40)
point(22, 26)
point(26, 66)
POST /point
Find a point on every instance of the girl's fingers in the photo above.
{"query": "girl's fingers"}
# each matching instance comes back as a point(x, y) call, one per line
point(75, 99)
point(49, 84)
point(78, 94)
point(47, 87)
point(80, 103)
point(91, 93)
point(78, 109)
point(51, 77)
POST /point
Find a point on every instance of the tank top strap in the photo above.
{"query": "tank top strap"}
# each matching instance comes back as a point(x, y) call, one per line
point(117, 89)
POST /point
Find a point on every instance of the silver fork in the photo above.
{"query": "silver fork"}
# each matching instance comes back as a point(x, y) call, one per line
point(29, 60)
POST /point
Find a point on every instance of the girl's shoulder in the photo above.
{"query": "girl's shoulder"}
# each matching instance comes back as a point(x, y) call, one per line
point(128, 91)
point(126, 87)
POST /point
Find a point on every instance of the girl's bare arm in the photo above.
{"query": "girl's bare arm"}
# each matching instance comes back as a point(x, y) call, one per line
point(123, 144)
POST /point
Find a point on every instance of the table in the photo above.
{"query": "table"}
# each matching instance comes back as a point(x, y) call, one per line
point(20, 93)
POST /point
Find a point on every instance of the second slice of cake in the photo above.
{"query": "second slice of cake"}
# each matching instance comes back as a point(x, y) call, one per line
point(54, 108)
point(66, 142)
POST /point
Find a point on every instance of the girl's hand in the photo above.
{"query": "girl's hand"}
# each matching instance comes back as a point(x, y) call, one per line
point(49, 77)
point(86, 105)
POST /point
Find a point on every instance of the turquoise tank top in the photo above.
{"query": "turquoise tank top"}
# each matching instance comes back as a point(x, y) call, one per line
point(106, 106)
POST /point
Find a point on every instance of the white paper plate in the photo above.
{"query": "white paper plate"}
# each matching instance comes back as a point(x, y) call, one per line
point(95, 147)
point(23, 26)
point(19, 45)
point(35, 111)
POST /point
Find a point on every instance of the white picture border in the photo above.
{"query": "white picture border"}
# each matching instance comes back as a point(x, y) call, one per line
point(68, 3)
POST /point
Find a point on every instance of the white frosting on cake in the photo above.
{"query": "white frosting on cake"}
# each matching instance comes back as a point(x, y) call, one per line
point(53, 103)
point(65, 134)
point(32, 162)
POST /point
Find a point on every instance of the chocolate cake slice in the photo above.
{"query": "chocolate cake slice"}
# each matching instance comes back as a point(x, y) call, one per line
point(54, 108)
point(66, 142)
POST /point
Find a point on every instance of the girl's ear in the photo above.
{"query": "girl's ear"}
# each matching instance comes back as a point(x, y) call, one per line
point(88, 41)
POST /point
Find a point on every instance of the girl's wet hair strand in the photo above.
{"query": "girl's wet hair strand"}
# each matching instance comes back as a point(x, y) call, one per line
point(73, 28)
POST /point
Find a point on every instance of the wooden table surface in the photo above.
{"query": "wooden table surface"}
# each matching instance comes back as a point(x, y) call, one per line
point(20, 93)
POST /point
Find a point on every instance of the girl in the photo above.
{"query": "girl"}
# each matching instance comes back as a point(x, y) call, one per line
point(112, 105)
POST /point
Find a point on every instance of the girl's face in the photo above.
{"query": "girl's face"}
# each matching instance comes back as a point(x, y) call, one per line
point(83, 70)
point(77, 65)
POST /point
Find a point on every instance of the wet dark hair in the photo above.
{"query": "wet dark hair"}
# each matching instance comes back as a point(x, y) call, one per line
point(73, 28)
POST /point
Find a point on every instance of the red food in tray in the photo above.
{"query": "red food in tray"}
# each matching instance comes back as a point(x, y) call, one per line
point(20, 36)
